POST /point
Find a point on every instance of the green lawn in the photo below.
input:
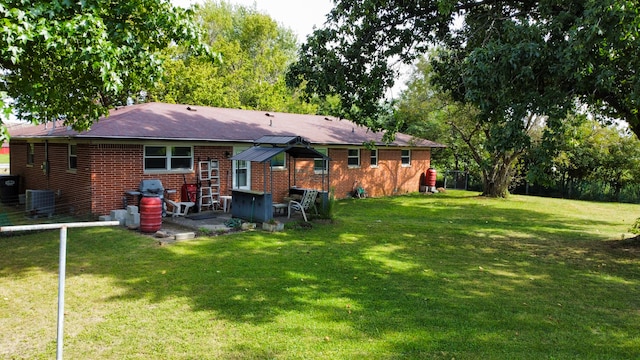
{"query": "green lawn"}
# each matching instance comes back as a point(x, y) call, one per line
point(447, 276)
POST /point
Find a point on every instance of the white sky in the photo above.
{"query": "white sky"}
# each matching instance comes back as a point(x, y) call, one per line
point(298, 15)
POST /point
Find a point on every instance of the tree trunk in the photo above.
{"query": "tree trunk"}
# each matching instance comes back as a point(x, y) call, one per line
point(498, 177)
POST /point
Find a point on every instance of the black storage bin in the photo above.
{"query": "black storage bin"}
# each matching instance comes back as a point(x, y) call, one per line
point(9, 188)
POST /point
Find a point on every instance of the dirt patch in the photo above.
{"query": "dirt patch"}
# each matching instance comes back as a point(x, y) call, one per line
point(631, 245)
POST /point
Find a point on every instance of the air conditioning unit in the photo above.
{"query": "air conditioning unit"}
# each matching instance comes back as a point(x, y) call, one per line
point(40, 202)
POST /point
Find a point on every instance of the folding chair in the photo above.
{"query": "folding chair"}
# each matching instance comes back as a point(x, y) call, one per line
point(308, 201)
point(179, 208)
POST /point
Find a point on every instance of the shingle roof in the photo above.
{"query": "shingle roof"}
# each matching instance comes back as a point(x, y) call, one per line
point(200, 123)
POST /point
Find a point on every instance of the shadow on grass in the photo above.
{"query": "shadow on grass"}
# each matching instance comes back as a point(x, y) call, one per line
point(410, 276)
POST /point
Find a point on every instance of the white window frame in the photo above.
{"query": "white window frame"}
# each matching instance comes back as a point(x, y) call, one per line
point(374, 158)
point(241, 165)
point(355, 157)
point(72, 152)
point(405, 160)
point(167, 159)
point(325, 166)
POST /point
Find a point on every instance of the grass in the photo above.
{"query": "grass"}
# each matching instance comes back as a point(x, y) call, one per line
point(410, 277)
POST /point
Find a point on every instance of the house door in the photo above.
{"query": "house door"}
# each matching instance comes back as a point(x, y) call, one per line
point(241, 171)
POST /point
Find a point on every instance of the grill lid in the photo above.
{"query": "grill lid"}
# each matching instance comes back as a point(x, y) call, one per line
point(151, 186)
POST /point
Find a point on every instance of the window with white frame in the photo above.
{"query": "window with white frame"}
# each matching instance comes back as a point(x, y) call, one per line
point(241, 170)
point(279, 161)
point(319, 164)
point(168, 158)
point(353, 157)
point(374, 157)
point(405, 157)
point(73, 156)
point(31, 151)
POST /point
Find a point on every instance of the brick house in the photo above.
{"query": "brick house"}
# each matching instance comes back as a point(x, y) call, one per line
point(90, 171)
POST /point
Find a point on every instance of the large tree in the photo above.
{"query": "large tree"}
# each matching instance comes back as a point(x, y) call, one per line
point(256, 53)
point(509, 59)
point(73, 60)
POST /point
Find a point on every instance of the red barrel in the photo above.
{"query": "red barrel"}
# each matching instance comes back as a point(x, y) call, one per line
point(150, 214)
point(431, 178)
point(188, 192)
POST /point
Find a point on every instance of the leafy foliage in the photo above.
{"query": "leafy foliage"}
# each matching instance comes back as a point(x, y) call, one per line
point(587, 151)
point(490, 149)
point(635, 229)
point(514, 61)
point(75, 60)
point(508, 58)
point(256, 53)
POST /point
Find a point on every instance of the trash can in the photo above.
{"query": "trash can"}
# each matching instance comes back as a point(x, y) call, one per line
point(9, 188)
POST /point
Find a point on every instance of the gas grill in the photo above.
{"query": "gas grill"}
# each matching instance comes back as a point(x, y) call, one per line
point(152, 187)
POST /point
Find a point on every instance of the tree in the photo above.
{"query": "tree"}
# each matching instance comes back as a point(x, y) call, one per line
point(256, 53)
point(73, 60)
point(425, 112)
point(509, 59)
point(586, 152)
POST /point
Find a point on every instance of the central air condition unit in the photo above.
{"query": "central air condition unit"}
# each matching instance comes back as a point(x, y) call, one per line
point(40, 202)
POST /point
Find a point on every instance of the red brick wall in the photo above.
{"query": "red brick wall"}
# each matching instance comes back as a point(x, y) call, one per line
point(388, 178)
point(106, 171)
point(73, 192)
point(117, 168)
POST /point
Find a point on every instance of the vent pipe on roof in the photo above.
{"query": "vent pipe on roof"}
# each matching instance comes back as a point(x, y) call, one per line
point(270, 122)
point(269, 115)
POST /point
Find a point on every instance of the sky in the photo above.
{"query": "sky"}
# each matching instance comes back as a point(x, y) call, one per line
point(298, 15)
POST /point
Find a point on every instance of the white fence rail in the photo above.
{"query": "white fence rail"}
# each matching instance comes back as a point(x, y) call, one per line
point(63, 263)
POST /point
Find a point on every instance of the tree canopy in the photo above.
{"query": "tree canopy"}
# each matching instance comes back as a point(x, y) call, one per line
point(73, 60)
point(256, 53)
point(508, 58)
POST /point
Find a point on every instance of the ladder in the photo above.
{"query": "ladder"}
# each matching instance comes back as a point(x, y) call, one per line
point(209, 192)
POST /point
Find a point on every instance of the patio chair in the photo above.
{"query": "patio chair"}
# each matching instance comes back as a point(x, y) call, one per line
point(179, 208)
point(307, 202)
point(358, 191)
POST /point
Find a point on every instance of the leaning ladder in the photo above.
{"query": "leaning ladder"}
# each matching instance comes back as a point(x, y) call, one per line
point(209, 194)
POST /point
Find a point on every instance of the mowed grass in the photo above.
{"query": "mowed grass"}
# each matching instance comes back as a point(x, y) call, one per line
point(447, 276)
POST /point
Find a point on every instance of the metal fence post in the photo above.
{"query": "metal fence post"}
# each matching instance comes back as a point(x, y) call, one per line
point(63, 263)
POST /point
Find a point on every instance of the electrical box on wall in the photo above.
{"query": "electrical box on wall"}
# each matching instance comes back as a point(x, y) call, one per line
point(45, 167)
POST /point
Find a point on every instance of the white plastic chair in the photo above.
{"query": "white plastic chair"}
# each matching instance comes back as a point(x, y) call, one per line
point(179, 208)
point(308, 201)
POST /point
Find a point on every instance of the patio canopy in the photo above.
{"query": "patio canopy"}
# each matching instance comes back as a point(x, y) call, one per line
point(264, 149)
point(268, 147)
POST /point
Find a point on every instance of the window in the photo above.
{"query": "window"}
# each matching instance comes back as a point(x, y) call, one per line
point(31, 150)
point(168, 158)
point(241, 171)
point(73, 156)
point(278, 161)
point(353, 157)
point(319, 164)
point(405, 157)
point(374, 158)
